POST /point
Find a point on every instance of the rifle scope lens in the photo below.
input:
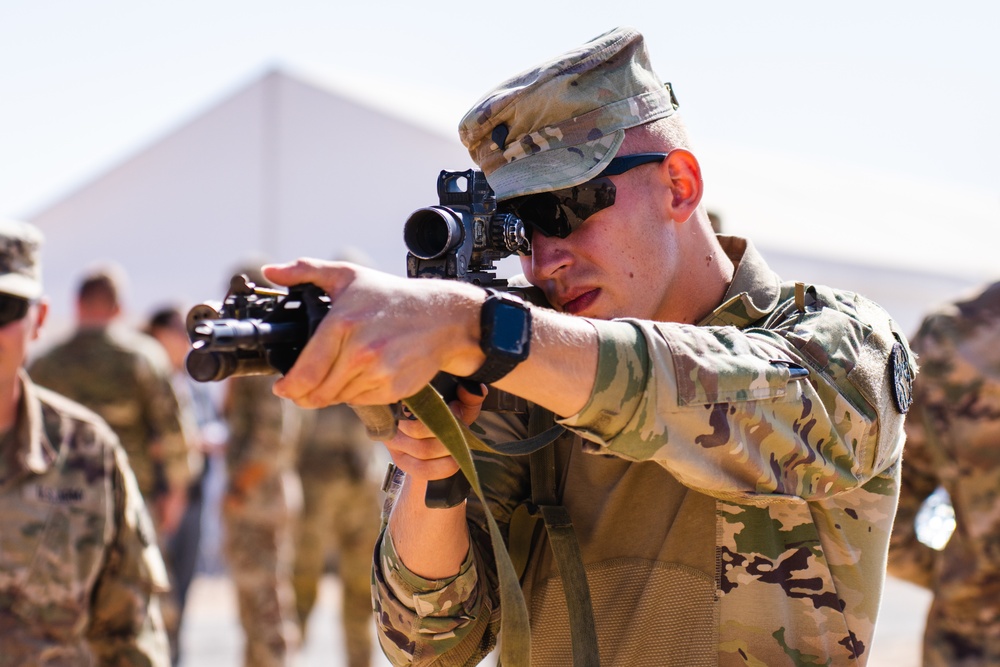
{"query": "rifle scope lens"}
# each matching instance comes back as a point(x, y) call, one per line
point(432, 232)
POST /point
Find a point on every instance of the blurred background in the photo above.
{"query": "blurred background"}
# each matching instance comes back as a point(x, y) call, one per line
point(855, 142)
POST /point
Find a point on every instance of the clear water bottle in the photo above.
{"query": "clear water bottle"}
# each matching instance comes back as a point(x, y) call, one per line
point(936, 520)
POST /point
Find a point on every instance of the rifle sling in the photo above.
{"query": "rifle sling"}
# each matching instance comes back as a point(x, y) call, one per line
point(565, 547)
point(428, 406)
point(530, 444)
point(515, 649)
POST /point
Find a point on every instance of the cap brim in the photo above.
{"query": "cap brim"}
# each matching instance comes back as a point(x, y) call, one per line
point(22, 286)
point(556, 168)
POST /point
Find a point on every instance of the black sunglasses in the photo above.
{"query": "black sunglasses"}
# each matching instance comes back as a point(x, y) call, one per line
point(560, 212)
point(12, 308)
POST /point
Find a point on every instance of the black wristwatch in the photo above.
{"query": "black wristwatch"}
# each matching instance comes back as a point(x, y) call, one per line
point(505, 335)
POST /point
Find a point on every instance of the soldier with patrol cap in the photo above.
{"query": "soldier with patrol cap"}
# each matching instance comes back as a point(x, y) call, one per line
point(730, 461)
point(79, 565)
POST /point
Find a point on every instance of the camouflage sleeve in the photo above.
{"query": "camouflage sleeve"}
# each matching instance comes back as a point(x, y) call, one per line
point(125, 624)
point(419, 620)
point(909, 558)
point(453, 621)
point(162, 414)
point(719, 408)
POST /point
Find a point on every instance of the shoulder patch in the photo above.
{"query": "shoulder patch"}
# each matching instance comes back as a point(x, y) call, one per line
point(902, 379)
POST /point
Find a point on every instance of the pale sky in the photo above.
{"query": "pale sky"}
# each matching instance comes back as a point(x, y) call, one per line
point(908, 88)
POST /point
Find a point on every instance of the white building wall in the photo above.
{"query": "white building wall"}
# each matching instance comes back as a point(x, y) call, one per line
point(286, 167)
point(278, 170)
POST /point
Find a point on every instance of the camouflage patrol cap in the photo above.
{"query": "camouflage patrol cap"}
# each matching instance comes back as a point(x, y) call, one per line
point(559, 124)
point(20, 265)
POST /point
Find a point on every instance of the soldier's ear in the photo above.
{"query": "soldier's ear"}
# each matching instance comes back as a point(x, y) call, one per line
point(681, 173)
point(41, 312)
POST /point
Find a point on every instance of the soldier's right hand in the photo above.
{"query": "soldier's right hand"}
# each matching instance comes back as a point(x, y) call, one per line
point(419, 454)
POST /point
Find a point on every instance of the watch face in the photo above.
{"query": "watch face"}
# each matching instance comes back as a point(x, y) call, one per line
point(508, 329)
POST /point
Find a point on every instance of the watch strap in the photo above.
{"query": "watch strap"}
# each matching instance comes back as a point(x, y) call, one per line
point(493, 369)
point(496, 366)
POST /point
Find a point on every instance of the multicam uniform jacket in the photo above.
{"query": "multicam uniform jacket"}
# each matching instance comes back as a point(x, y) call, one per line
point(732, 487)
point(953, 440)
point(78, 555)
point(125, 378)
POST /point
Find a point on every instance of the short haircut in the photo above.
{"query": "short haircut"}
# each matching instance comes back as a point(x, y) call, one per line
point(167, 317)
point(661, 135)
point(99, 285)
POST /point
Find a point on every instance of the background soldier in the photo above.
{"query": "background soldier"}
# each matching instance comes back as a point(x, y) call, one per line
point(199, 416)
point(78, 561)
point(340, 518)
point(259, 508)
point(953, 433)
point(262, 499)
point(124, 376)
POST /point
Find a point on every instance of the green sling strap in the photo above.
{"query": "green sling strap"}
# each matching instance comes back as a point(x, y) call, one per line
point(565, 547)
point(515, 649)
point(428, 406)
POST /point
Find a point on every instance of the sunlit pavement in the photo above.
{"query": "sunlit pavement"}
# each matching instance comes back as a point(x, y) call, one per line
point(212, 636)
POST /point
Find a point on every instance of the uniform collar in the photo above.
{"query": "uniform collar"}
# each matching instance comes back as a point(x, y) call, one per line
point(93, 331)
point(754, 291)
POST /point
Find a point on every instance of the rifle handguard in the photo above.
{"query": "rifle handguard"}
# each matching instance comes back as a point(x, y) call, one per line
point(379, 421)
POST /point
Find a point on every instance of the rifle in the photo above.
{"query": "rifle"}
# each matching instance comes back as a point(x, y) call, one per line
point(259, 331)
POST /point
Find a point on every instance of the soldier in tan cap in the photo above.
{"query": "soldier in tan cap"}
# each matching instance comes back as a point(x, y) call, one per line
point(730, 464)
point(79, 564)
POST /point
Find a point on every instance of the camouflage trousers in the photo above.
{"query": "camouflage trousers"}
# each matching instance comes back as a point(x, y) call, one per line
point(259, 555)
point(340, 518)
